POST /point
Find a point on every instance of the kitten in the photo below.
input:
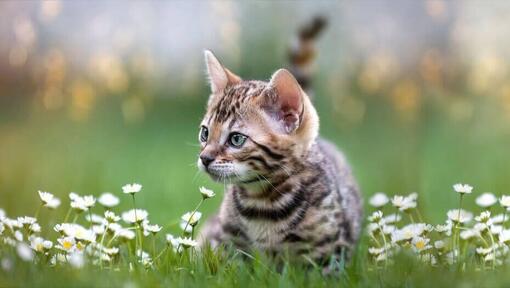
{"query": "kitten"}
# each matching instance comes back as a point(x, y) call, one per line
point(286, 189)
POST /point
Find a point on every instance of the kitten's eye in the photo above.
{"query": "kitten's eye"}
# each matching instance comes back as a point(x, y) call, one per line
point(237, 139)
point(204, 134)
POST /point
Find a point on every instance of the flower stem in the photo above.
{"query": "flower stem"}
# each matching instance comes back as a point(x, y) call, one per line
point(68, 214)
point(136, 223)
point(38, 210)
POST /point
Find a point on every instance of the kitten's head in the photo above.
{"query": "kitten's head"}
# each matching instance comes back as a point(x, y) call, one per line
point(253, 128)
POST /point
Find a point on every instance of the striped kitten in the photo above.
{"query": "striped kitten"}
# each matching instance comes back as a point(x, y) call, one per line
point(286, 189)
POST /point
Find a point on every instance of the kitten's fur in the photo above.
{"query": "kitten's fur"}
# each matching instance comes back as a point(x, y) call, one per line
point(285, 187)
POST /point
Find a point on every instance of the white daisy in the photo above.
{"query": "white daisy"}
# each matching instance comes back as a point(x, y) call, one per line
point(76, 260)
point(379, 199)
point(131, 188)
point(111, 217)
point(375, 217)
point(133, 216)
point(375, 250)
point(26, 221)
point(11, 223)
point(94, 218)
point(463, 188)
point(40, 245)
point(152, 228)
point(186, 227)
point(486, 200)
point(66, 243)
point(89, 201)
point(504, 236)
point(392, 218)
point(484, 217)
point(125, 233)
point(49, 200)
point(439, 244)
point(2, 214)
point(469, 233)
point(108, 200)
point(77, 202)
point(79, 232)
point(206, 193)
point(462, 217)
point(498, 219)
point(24, 252)
point(187, 242)
point(404, 203)
point(111, 251)
point(505, 201)
point(18, 235)
point(420, 244)
point(35, 228)
point(191, 218)
point(170, 239)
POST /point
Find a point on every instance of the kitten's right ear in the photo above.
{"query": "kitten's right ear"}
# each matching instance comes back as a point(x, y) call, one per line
point(219, 76)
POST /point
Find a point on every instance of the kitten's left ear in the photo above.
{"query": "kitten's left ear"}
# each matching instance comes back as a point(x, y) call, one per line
point(219, 76)
point(283, 99)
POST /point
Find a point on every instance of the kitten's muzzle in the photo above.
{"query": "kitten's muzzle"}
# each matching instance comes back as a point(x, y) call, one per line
point(206, 159)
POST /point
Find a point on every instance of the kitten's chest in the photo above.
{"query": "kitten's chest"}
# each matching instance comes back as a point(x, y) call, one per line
point(264, 234)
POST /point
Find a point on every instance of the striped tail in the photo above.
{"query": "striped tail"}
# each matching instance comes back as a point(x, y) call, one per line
point(302, 51)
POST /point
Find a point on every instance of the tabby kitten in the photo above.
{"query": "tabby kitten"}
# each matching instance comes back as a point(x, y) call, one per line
point(286, 189)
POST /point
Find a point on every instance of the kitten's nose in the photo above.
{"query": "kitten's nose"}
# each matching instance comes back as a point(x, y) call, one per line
point(206, 159)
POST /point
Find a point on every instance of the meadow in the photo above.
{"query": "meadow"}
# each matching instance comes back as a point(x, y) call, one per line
point(427, 155)
point(94, 96)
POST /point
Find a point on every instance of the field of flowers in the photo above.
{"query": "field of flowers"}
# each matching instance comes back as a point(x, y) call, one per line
point(94, 237)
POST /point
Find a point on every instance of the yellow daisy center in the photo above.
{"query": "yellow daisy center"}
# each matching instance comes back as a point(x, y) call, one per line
point(420, 245)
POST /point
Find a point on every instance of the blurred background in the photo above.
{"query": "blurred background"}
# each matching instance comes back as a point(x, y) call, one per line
point(94, 95)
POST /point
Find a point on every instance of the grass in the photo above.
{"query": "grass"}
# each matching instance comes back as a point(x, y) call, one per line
point(47, 151)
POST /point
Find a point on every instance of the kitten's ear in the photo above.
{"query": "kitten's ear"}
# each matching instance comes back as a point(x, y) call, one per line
point(283, 99)
point(219, 76)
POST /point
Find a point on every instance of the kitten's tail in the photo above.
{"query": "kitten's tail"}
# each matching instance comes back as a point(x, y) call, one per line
point(302, 52)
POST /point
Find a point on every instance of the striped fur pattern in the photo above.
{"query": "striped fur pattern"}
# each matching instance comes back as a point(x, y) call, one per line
point(285, 188)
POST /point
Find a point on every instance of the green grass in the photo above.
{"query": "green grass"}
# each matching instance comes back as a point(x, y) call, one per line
point(42, 150)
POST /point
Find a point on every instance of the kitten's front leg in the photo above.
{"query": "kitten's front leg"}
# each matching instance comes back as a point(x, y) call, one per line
point(215, 232)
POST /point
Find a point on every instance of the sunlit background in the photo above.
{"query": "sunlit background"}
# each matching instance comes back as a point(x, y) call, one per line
point(94, 95)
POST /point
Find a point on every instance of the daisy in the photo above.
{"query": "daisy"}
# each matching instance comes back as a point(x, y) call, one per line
point(170, 239)
point(498, 219)
point(375, 250)
point(420, 244)
point(38, 244)
point(134, 216)
point(35, 228)
point(26, 221)
point(108, 200)
point(187, 242)
point(111, 251)
point(439, 244)
point(77, 202)
point(375, 217)
point(11, 223)
point(24, 252)
point(206, 193)
point(66, 243)
point(186, 227)
point(152, 228)
point(379, 199)
point(49, 200)
point(76, 260)
point(18, 236)
point(89, 201)
point(462, 188)
point(404, 203)
point(94, 218)
point(504, 236)
point(486, 200)
point(484, 217)
point(191, 218)
point(125, 233)
point(131, 188)
point(505, 201)
point(462, 217)
point(111, 217)
point(392, 218)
